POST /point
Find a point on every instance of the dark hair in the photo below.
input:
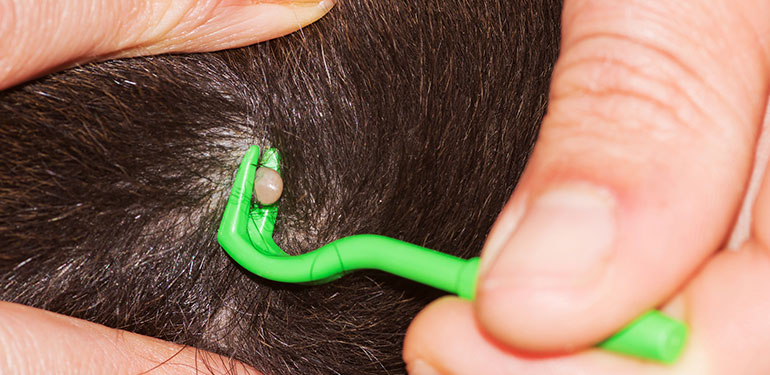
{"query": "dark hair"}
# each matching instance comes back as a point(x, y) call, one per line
point(409, 119)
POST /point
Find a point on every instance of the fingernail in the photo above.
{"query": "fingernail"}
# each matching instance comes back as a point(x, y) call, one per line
point(303, 3)
point(565, 238)
point(307, 3)
point(290, 13)
point(420, 367)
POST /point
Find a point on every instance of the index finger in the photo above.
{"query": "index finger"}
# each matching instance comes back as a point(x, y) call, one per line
point(46, 35)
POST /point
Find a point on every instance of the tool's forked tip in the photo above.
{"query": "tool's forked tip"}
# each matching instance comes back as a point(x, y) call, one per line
point(271, 158)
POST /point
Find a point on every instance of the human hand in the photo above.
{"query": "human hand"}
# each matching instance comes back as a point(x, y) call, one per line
point(41, 36)
point(47, 35)
point(641, 166)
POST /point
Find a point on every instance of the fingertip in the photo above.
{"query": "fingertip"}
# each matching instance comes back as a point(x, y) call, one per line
point(438, 315)
point(442, 339)
point(431, 343)
point(238, 26)
point(225, 25)
point(44, 36)
point(541, 321)
point(541, 290)
point(445, 338)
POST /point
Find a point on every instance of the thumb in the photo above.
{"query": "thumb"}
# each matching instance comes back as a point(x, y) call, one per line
point(640, 166)
point(45, 35)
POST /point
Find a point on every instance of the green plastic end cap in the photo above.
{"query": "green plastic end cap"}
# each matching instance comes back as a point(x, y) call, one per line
point(651, 336)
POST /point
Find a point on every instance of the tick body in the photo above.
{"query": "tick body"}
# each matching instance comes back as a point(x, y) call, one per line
point(268, 186)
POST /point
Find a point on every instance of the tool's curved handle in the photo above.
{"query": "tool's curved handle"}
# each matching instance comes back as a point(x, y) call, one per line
point(652, 336)
point(247, 237)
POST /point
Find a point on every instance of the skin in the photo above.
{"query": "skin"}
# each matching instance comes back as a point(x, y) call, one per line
point(641, 167)
point(46, 35)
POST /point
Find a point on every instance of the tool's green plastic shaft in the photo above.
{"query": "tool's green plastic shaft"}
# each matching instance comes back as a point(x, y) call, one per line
point(247, 237)
point(653, 335)
point(365, 251)
point(439, 270)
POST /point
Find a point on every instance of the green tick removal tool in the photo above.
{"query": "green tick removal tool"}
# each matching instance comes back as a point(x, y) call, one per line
point(246, 233)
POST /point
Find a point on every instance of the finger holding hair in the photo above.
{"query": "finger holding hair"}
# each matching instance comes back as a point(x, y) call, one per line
point(45, 35)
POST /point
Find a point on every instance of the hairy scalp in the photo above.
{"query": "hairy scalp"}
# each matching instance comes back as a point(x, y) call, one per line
point(411, 120)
